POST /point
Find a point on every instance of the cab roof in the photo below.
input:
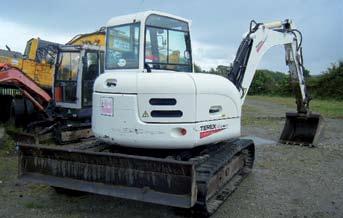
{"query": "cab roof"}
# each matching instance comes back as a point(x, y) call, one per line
point(140, 17)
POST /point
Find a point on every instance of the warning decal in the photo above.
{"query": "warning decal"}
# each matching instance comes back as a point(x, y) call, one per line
point(145, 114)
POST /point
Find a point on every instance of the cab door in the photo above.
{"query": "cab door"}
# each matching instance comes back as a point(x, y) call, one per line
point(67, 77)
point(92, 67)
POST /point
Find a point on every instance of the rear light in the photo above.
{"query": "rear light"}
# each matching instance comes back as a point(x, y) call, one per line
point(183, 131)
point(178, 132)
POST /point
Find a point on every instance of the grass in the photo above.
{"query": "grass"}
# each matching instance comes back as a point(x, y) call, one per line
point(258, 122)
point(327, 108)
point(248, 109)
point(33, 205)
point(7, 145)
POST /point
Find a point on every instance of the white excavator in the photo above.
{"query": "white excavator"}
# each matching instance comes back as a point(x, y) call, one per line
point(165, 134)
point(150, 98)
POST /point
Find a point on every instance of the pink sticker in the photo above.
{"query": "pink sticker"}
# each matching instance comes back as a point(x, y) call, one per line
point(107, 106)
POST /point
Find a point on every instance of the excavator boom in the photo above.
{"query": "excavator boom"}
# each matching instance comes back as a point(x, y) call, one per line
point(302, 127)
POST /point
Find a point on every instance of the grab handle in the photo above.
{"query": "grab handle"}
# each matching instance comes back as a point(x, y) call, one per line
point(111, 83)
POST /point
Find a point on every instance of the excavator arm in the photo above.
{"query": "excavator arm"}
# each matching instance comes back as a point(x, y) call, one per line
point(260, 38)
point(294, 60)
point(302, 127)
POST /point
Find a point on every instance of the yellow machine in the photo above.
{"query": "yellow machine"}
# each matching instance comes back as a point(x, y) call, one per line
point(38, 59)
point(52, 83)
point(36, 62)
point(94, 38)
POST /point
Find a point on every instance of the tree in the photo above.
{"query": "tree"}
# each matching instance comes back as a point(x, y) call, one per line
point(212, 71)
point(197, 68)
point(222, 70)
point(330, 83)
point(306, 73)
point(268, 82)
point(327, 85)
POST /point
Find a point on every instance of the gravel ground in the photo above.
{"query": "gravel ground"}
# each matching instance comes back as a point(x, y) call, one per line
point(287, 181)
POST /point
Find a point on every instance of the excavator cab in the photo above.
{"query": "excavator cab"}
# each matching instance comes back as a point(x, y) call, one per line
point(76, 70)
point(41, 51)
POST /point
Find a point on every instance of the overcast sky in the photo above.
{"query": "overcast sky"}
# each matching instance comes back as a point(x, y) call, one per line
point(217, 25)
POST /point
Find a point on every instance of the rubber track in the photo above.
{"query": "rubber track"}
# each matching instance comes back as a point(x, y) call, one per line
point(217, 160)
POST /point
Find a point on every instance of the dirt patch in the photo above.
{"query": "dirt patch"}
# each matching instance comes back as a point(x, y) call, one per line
point(287, 181)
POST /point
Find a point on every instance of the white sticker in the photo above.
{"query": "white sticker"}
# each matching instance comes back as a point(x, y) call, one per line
point(106, 106)
point(187, 55)
point(15, 61)
point(121, 62)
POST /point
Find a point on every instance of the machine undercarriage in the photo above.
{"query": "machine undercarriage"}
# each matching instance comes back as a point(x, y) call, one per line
point(201, 178)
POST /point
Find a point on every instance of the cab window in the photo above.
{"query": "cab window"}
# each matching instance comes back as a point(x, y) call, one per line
point(68, 66)
point(122, 47)
point(167, 44)
point(67, 70)
point(90, 73)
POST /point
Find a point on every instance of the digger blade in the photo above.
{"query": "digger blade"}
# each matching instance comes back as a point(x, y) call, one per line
point(302, 129)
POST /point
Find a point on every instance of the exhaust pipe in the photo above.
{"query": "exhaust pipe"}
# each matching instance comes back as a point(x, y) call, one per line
point(302, 129)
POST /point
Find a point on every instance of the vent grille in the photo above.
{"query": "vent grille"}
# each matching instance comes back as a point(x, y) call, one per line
point(166, 113)
point(162, 101)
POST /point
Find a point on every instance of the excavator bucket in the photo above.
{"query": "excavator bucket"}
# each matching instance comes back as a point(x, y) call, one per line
point(301, 129)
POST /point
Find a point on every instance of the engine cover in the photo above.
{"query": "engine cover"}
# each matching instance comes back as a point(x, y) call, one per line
point(165, 110)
